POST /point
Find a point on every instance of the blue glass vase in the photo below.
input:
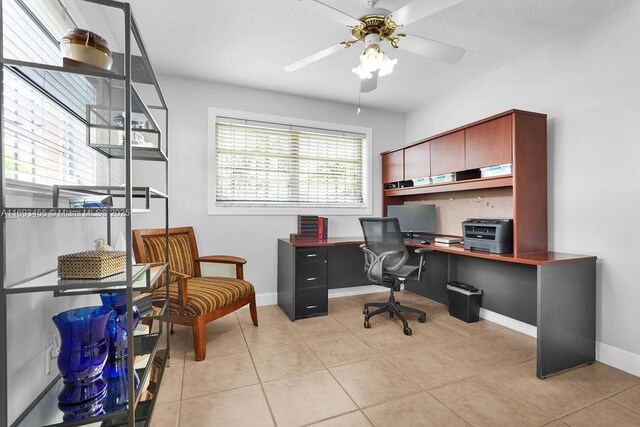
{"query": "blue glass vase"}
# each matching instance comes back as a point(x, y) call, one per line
point(116, 369)
point(84, 347)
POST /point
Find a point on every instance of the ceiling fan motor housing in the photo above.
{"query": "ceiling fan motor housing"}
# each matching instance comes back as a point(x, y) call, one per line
point(378, 22)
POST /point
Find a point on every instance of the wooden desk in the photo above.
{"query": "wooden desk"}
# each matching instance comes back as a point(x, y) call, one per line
point(555, 292)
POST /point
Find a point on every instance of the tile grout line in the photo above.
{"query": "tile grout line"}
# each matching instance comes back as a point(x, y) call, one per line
point(519, 397)
point(621, 406)
point(264, 394)
point(326, 368)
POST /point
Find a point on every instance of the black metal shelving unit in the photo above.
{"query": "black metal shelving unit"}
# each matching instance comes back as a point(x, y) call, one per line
point(119, 139)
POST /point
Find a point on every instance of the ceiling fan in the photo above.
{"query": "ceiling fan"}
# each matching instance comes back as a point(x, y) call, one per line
point(377, 25)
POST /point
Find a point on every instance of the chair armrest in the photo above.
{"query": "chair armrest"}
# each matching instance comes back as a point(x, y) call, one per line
point(422, 251)
point(222, 259)
point(183, 292)
point(374, 261)
point(225, 259)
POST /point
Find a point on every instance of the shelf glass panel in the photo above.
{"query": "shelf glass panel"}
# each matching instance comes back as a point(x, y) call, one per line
point(115, 191)
point(50, 282)
point(155, 312)
point(141, 282)
point(97, 100)
point(149, 364)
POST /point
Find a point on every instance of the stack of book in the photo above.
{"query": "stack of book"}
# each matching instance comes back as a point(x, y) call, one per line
point(311, 227)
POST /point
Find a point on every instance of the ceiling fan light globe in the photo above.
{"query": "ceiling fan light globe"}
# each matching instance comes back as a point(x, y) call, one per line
point(361, 72)
point(371, 60)
point(387, 65)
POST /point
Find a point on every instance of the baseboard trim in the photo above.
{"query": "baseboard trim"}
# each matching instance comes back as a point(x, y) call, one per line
point(356, 290)
point(267, 298)
point(508, 322)
point(618, 358)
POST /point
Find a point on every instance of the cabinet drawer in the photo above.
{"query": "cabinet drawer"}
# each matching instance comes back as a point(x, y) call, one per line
point(310, 254)
point(311, 274)
point(311, 302)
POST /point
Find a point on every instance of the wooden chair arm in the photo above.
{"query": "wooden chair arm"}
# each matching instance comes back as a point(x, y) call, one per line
point(183, 292)
point(222, 259)
point(225, 259)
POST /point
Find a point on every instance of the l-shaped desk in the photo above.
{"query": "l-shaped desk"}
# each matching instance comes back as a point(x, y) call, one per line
point(553, 291)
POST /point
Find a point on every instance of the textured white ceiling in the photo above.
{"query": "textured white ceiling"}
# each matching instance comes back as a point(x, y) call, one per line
point(248, 42)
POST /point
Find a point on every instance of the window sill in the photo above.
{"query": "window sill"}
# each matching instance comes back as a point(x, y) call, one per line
point(288, 210)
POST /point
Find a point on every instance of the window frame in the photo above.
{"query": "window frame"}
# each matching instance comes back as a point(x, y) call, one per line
point(214, 209)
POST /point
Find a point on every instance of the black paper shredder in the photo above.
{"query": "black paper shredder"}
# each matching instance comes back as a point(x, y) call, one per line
point(464, 301)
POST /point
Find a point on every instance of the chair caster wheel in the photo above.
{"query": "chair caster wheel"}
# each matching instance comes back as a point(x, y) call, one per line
point(367, 324)
point(365, 311)
point(407, 330)
point(390, 314)
point(172, 331)
point(422, 318)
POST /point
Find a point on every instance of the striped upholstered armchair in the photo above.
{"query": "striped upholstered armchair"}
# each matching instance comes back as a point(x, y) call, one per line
point(194, 300)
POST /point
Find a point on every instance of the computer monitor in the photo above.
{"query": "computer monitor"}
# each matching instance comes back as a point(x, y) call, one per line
point(414, 219)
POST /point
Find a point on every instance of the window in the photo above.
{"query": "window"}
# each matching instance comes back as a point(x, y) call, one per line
point(44, 143)
point(261, 163)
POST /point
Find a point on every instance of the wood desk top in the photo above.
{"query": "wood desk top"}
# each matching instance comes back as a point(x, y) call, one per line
point(536, 258)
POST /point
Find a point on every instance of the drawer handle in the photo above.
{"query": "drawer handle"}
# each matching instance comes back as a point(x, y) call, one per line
point(311, 255)
point(309, 279)
point(312, 306)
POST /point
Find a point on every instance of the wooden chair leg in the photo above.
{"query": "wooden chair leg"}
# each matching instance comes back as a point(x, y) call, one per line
point(199, 338)
point(253, 311)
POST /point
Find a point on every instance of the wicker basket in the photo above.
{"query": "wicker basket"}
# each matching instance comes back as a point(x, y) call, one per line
point(91, 264)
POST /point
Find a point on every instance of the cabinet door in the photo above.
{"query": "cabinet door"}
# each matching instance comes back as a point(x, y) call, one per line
point(488, 144)
point(393, 166)
point(447, 153)
point(417, 161)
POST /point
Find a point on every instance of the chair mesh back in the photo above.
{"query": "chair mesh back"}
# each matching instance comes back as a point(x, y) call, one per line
point(383, 235)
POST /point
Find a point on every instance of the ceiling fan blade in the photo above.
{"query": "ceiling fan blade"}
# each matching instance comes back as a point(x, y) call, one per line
point(329, 12)
point(431, 49)
point(369, 85)
point(419, 9)
point(315, 57)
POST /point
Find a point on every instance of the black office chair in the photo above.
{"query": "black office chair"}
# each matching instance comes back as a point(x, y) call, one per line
point(385, 258)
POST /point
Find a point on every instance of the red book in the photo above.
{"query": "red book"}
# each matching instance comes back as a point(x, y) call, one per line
point(320, 228)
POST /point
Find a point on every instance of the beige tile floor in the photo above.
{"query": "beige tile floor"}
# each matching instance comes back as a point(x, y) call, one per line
point(330, 371)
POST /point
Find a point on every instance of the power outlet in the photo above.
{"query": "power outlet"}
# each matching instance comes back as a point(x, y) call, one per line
point(51, 351)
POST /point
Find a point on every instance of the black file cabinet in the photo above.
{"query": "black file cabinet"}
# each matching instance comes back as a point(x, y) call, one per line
point(302, 281)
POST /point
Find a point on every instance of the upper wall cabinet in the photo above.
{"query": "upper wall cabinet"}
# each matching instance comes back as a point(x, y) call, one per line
point(393, 166)
point(488, 143)
point(417, 161)
point(447, 153)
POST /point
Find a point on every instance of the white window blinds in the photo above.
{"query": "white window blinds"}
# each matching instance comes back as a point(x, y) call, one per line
point(267, 164)
point(43, 142)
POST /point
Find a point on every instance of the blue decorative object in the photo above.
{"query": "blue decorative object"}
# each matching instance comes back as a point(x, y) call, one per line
point(117, 326)
point(80, 411)
point(116, 368)
point(84, 349)
point(115, 372)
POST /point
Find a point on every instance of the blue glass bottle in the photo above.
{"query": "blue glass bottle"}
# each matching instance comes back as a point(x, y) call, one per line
point(116, 369)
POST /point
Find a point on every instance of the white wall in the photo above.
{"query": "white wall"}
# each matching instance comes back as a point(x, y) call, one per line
point(588, 85)
point(251, 237)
